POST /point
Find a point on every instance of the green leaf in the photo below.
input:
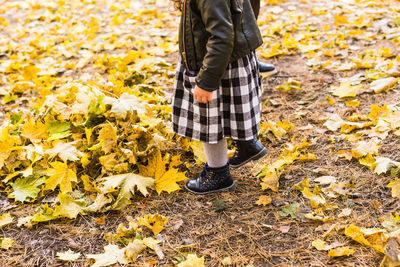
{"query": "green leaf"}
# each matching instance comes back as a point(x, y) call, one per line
point(44, 214)
point(220, 205)
point(289, 210)
point(9, 98)
point(26, 188)
point(58, 130)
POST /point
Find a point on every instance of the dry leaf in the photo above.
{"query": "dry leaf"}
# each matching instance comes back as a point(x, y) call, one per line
point(264, 200)
point(192, 261)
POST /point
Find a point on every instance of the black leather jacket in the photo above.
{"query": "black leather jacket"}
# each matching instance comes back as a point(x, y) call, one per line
point(214, 33)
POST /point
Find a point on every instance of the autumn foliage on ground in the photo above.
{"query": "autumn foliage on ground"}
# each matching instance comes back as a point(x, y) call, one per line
point(90, 171)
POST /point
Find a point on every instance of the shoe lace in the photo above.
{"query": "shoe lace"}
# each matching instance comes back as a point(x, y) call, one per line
point(205, 176)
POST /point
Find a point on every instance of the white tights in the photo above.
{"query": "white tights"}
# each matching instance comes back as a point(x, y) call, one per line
point(216, 154)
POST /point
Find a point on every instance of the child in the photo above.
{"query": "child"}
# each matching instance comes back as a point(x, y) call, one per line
point(218, 88)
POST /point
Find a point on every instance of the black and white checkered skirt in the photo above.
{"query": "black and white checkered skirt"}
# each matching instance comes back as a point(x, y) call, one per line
point(235, 110)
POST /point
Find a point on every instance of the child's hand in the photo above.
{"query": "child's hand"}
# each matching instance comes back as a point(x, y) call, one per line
point(202, 96)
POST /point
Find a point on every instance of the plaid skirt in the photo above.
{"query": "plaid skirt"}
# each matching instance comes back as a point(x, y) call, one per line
point(235, 109)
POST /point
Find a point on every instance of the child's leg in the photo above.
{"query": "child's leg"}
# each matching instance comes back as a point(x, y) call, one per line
point(216, 154)
point(215, 176)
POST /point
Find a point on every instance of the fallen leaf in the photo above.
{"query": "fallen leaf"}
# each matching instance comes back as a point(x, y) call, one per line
point(66, 151)
point(26, 188)
point(108, 137)
point(68, 207)
point(68, 255)
point(126, 184)
point(345, 213)
point(319, 244)
point(133, 249)
point(364, 148)
point(226, 261)
point(5, 220)
point(383, 165)
point(150, 242)
point(112, 255)
point(154, 222)
point(264, 200)
point(198, 151)
point(395, 186)
point(6, 243)
point(284, 229)
point(165, 180)
point(341, 251)
point(345, 89)
point(60, 175)
point(192, 261)
point(101, 220)
point(334, 122)
point(385, 84)
point(325, 180)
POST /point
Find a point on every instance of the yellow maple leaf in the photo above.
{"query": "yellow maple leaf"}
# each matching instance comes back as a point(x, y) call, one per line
point(341, 251)
point(319, 244)
point(290, 85)
point(370, 237)
point(345, 89)
point(198, 151)
point(318, 217)
point(68, 207)
point(60, 175)
point(364, 148)
point(345, 154)
point(66, 151)
point(108, 161)
point(264, 200)
point(133, 249)
point(88, 183)
point(6, 243)
point(377, 111)
point(154, 222)
point(384, 84)
point(35, 132)
point(30, 72)
point(395, 185)
point(383, 165)
point(108, 137)
point(165, 180)
point(5, 220)
point(352, 103)
point(368, 161)
point(112, 255)
point(150, 242)
point(6, 147)
point(126, 183)
point(315, 198)
point(192, 261)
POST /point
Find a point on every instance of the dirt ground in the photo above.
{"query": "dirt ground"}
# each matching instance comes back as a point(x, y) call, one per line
point(240, 229)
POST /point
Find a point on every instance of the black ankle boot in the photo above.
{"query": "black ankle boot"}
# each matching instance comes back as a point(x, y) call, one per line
point(211, 180)
point(267, 69)
point(247, 151)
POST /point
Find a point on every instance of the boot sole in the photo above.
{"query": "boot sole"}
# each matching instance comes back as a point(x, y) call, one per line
point(257, 156)
point(267, 74)
point(230, 188)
